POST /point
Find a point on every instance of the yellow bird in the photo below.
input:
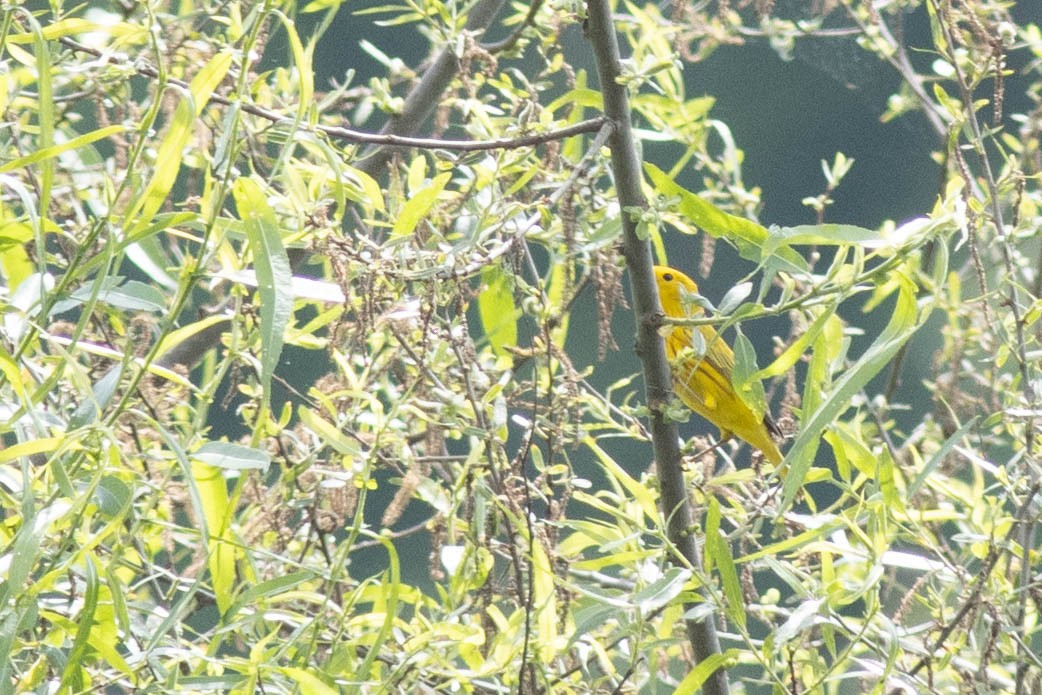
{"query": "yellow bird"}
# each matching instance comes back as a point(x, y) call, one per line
point(703, 382)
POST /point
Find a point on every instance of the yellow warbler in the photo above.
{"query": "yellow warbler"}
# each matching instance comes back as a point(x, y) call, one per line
point(703, 381)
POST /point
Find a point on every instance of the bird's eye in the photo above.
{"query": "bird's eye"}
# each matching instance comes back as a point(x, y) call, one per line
point(668, 277)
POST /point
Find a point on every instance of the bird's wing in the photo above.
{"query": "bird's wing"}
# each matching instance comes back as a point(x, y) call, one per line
point(718, 354)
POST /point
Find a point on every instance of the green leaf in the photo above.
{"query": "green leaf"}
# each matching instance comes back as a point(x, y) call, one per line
point(302, 61)
point(706, 215)
point(101, 395)
point(53, 151)
point(418, 206)
point(735, 296)
point(171, 150)
point(826, 235)
point(27, 544)
point(640, 492)
point(132, 295)
point(785, 361)
point(268, 589)
point(497, 310)
point(663, 590)
point(72, 677)
point(175, 338)
point(544, 602)
point(309, 683)
point(320, 5)
point(802, 618)
point(718, 549)
point(329, 434)
point(112, 495)
point(694, 680)
point(274, 276)
point(44, 109)
point(903, 324)
point(748, 388)
point(751, 239)
point(939, 455)
point(712, 529)
point(582, 97)
point(233, 457)
point(220, 546)
point(369, 191)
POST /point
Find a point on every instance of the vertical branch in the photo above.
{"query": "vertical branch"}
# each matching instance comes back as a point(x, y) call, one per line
point(626, 168)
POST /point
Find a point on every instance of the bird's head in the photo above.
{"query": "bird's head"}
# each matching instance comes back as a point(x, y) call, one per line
point(676, 292)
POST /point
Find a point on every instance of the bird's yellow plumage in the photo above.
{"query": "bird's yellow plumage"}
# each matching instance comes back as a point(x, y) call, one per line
point(703, 381)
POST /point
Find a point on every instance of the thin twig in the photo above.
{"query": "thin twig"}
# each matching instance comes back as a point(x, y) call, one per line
point(510, 41)
point(362, 137)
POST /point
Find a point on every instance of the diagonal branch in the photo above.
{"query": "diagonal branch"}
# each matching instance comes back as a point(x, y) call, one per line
point(426, 95)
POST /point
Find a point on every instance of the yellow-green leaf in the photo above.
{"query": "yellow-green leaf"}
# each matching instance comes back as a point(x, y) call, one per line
point(903, 324)
point(719, 550)
point(419, 205)
point(274, 277)
point(497, 310)
point(171, 149)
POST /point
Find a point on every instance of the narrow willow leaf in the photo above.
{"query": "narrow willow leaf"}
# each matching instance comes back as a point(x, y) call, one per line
point(71, 26)
point(827, 235)
point(308, 682)
point(369, 191)
point(735, 296)
point(274, 277)
point(132, 295)
point(101, 395)
point(171, 150)
point(712, 529)
point(663, 590)
point(936, 459)
point(231, 456)
point(176, 338)
point(329, 434)
point(150, 255)
point(213, 499)
point(387, 604)
point(706, 215)
point(749, 389)
point(302, 61)
point(497, 310)
point(544, 602)
point(72, 677)
point(903, 324)
point(55, 150)
point(694, 680)
point(30, 448)
point(41, 62)
point(785, 361)
point(888, 484)
point(719, 549)
point(640, 492)
point(751, 239)
point(418, 206)
point(800, 619)
point(270, 588)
